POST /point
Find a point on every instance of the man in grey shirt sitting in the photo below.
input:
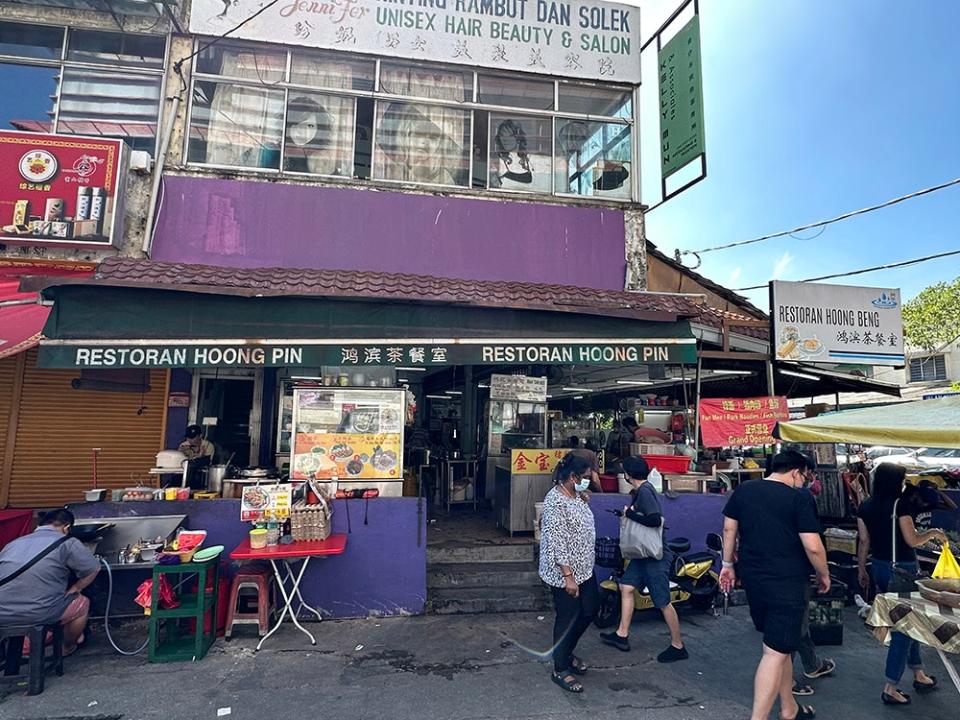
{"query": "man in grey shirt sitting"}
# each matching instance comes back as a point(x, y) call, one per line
point(44, 593)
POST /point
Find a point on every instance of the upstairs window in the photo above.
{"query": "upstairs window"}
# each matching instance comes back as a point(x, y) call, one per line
point(928, 369)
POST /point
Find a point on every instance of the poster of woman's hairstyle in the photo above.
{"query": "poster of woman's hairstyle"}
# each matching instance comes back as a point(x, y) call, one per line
point(318, 135)
point(520, 153)
point(418, 142)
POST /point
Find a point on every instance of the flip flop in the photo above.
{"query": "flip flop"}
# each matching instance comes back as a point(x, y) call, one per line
point(568, 685)
point(578, 666)
point(802, 690)
point(925, 687)
point(804, 712)
point(826, 667)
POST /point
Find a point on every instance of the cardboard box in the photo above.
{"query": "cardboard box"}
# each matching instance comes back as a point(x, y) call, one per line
point(837, 540)
point(685, 483)
point(652, 449)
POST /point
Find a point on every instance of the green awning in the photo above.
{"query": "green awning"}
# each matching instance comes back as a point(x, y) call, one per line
point(103, 326)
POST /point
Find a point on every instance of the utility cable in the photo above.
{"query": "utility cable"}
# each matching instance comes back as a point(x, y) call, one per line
point(889, 266)
point(821, 223)
point(106, 617)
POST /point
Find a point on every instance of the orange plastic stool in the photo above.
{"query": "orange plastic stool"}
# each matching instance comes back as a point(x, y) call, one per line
point(262, 582)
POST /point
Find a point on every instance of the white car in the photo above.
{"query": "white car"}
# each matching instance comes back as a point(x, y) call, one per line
point(924, 459)
point(877, 454)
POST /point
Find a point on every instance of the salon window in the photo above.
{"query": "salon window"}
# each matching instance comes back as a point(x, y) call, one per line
point(593, 159)
point(521, 148)
point(233, 125)
point(515, 92)
point(331, 71)
point(319, 134)
point(585, 99)
point(420, 143)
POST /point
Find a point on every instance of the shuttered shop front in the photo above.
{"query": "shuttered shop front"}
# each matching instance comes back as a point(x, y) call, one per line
point(59, 425)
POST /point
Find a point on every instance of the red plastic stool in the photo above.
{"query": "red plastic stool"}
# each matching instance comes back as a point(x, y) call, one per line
point(262, 582)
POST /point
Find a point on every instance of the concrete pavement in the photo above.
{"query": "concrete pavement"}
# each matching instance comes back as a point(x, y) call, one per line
point(469, 667)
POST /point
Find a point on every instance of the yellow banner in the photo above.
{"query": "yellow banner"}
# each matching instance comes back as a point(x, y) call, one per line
point(536, 462)
point(347, 455)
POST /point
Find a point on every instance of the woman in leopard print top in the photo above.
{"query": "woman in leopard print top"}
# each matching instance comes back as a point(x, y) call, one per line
point(567, 537)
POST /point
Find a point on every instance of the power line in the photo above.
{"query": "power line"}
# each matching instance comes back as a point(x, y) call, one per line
point(821, 223)
point(890, 266)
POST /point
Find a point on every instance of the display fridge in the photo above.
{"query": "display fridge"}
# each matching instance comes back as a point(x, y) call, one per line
point(352, 436)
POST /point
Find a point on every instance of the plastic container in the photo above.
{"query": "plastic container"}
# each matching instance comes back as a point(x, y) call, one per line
point(258, 538)
point(668, 463)
point(608, 483)
point(826, 615)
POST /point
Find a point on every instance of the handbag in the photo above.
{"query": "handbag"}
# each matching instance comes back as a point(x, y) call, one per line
point(638, 541)
point(901, 581)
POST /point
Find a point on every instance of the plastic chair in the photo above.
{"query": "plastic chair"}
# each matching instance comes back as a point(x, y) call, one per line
point(261, 581)
point(12, 636)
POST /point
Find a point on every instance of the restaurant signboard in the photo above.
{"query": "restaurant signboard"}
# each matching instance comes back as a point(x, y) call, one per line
point(309, 353)
point(60, 189)
point(588, 39)
point(536, 462)
point(518, 387)
point(837, 324)
point(730, 422)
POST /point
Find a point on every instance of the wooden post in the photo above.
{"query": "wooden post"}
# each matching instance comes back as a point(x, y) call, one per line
point(696, 409)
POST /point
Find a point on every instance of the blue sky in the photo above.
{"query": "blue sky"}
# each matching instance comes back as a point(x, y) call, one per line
point(814, 108)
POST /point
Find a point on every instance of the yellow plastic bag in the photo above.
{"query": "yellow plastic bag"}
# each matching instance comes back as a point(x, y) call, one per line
point(947, 566)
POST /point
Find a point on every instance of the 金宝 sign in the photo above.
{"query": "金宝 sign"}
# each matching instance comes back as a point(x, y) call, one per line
point(837, 323)
point(535, 462)
point(728, 422)
point(573, 38)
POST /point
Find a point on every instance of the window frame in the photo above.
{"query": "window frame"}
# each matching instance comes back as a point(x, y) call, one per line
point(472, 106)
point(921, 363)
point(61, 64)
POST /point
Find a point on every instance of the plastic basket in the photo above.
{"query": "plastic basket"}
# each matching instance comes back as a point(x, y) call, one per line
point(608, 553)
point(668, 463)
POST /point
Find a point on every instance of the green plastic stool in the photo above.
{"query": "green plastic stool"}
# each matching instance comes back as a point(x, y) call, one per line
point(169, 641)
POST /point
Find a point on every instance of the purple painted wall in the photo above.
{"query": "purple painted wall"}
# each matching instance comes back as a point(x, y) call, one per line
point(253, 224)
point(177, 417)
point(689, 515)
point(382, 572)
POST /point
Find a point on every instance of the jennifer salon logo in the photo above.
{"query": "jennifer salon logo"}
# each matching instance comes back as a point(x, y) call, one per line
point(336, 11)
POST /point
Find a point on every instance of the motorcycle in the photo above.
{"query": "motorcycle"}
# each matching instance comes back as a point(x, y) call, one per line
point(693, 578)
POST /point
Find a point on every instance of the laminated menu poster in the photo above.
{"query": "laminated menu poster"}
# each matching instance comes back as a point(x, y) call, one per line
point(258, 502)
point(348, 456)
point(731, 422)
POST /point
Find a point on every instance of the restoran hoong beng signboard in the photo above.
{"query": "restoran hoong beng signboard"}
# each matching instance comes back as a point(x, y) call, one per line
point(425, 353)
point(837, 323)
point(60, 189)
point(578, 38)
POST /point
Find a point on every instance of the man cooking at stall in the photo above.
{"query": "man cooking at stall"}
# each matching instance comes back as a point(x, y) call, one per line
point(195, 446)
point(35, 579)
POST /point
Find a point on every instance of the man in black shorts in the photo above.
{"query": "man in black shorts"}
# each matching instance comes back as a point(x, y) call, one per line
point(779, 542)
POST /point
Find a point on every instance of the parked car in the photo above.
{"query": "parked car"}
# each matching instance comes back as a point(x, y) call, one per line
point(881, 453)
point(925, 458)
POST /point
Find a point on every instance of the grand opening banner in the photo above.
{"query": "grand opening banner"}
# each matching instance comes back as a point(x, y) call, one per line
point(731, 422)
point(579, 39)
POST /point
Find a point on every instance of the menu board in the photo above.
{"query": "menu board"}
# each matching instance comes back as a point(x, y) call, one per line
point(259, 502)
point(518, 387)
point(348, 434)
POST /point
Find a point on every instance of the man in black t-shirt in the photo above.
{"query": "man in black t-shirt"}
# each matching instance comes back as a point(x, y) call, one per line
point(779, 547)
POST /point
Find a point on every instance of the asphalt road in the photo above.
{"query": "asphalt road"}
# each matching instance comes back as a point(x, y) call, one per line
point(466, 667)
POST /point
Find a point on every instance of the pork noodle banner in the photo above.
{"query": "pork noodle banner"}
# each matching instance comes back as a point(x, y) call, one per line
point(728, 422)
point(578, 38)
point(348, 456)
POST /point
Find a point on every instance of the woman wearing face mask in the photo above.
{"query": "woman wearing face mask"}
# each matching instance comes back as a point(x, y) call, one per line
point(567, 538)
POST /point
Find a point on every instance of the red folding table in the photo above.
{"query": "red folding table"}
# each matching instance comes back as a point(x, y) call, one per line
point(287, 556)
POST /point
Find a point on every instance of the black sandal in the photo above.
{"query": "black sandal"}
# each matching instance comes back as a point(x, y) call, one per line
point(804, 712)
point(578, 666)
point(889, 699)
point(925, 687)
point(568, 685)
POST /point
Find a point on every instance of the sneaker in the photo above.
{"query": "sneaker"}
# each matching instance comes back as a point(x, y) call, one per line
point(672, 654)
point(826, 667)
point(611, 638)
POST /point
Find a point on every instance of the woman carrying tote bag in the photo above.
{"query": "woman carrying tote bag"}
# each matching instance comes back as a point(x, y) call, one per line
point(641, 537)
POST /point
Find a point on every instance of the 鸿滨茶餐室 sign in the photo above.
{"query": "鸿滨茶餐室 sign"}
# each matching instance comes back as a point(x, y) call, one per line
point(587, 39)
point(820, 323)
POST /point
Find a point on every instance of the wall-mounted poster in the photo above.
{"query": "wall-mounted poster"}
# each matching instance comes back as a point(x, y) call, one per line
point(520, 153)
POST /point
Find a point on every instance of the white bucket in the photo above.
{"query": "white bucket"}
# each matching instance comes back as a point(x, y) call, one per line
point(623, 486)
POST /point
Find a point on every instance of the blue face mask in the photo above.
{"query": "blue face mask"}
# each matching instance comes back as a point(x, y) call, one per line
point(582, 484)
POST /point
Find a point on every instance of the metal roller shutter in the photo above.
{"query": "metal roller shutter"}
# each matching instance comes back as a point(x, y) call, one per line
point(58, 427)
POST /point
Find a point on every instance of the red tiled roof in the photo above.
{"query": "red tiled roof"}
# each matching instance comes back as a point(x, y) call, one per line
point(714, 317)
point(377, 285)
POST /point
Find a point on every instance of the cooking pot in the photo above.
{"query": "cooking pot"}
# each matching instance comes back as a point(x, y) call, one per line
point(258, 472)
point(215, 476)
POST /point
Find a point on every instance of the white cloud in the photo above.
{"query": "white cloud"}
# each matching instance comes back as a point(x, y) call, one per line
point(782, 264)
point(735, 275)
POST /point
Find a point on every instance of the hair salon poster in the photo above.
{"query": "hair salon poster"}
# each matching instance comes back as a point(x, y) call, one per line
point(579, 39)
point(59, 189)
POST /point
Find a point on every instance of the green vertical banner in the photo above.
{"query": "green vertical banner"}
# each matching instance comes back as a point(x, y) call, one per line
point(681, 99)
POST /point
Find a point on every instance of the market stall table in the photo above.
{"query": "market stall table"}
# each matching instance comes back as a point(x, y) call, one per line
point(935, 625)
point(287, 555)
